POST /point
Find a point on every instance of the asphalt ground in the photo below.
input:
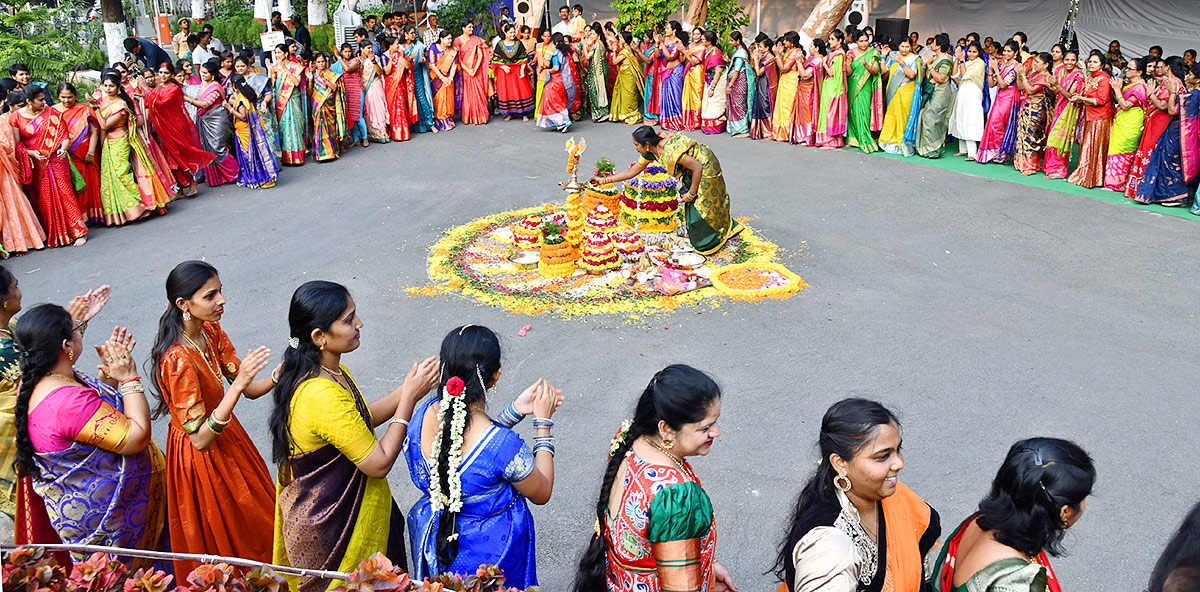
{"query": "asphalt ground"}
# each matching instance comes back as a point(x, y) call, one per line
point(981, 312)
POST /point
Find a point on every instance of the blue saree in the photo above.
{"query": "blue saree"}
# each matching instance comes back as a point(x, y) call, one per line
point(416, 52)
point(494, 526)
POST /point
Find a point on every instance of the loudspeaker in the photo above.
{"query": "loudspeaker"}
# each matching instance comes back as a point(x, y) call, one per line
point(857, 15)
point(523, 12)
point(893, 29)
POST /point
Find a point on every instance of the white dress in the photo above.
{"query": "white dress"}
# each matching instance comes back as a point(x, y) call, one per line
point(966, 118)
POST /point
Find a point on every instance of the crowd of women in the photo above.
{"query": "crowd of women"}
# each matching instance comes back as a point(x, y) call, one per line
point(89, 472)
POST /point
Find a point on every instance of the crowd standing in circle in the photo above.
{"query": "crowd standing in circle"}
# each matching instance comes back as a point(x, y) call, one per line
point(147, 137)
point(85, 469)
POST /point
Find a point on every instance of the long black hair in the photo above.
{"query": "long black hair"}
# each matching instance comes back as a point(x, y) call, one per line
point(646, 135)
point(39, 335)
point(1183, 546)
point(678, 31)
point(6, 282)
point(238, 82)
point(183, 282)
point(315, 305)
point(599, 30)
point(677, 395)
point(1038, 477)
point(848, 426)
point(472, 354)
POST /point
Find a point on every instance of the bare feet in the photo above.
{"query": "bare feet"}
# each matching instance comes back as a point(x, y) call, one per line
point(80, 241)
point(960, 153)
point(365, 143)
point(508, 118)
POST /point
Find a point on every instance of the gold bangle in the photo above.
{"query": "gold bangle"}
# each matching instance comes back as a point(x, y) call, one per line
point(214, 419)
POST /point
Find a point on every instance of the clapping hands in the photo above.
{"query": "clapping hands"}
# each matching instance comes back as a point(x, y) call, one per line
point(541, 399)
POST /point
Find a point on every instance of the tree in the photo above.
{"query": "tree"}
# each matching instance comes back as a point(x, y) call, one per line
point(644, 14)
point(824, 18)
point(33, 35)
point(113, 15)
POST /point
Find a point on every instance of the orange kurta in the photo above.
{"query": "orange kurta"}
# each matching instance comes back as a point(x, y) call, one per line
point(220, 501)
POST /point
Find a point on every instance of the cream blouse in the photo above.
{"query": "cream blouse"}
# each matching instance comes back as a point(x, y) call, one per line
point(836, 558)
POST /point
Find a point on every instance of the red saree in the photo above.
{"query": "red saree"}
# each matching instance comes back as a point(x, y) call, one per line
point(19, 227)
point(43, 134)
point(179, 139)
point(401, 102)
point(80, 122)
point(473, 55)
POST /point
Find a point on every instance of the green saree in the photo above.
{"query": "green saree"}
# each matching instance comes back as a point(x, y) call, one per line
point(709, 224)
point(597, 81)
point(627, 92)
point(935, 116)
point(866, 102)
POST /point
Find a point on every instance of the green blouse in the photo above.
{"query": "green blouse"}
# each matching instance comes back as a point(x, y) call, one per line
point(679, 513)
point(1007, 575)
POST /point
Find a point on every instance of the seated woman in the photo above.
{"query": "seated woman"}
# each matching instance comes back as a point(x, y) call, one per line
point(655, 528)
point(86, 442)
point(475, 473)
point(706, 203)
point(1037, 495)
point(855, 526)
point(333, 505)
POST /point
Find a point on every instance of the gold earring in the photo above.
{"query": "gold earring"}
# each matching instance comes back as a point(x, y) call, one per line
point(322, 347)
point(1064, 524)
point(668, 443)
point(71, 356)
point(841, 482)
point(187, 316)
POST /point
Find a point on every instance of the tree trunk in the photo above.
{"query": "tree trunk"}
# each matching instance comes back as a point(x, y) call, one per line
point(825, 17)
point(317, 12)
point(113, 15)
point(696, 15)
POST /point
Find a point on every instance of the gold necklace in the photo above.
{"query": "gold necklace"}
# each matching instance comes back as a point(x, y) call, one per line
point(204, 354)
point(64, 377)
point(674, 459)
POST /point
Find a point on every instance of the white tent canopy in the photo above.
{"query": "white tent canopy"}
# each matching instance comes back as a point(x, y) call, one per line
point(1173, 24)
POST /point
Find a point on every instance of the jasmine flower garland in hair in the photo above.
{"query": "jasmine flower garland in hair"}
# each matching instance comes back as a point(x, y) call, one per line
point(452, 398)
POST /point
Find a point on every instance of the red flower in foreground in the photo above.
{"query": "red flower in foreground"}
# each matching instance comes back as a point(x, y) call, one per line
point(455, 386)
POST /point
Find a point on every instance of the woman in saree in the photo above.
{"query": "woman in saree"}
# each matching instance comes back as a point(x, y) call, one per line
point(935, 115)
point(651, 59)
point(865, 95)
point(472, 66)
point(674, 56)
point(1096, 129)
point(999, 134)
point(257, 167)
point(43, 136)
point(261, 85)
point(541, 59)
point(510, 67)
point(655, 528)
point(1039, 493)
point(350, 67)
point(398, 90)
point(595, 53)
point(559, 92)
point(1031, 122)
point(375, 105)
point(766, 80)
point(83, 131)
point(855, 526)
point(716, 87)
point(968, 118)
point(443, 65)
point(808, 94)
point(1132, 104)
point(221, 494)
point(176, 131)
point(789, 58)
point(333, 505)
point(212, 119)
point(898, 135)
point(1060, 141)
point(328, 111)
point(477, 513)
point(20, 230)
point(705, 201)
point(86, 442)
point(291, 92)
point(627, 92)
point(1170, 177)
point(830, 121)
point(1161, 89)
point(128, 186)
point(415, 51)
point(741, 88)
point(692, 94)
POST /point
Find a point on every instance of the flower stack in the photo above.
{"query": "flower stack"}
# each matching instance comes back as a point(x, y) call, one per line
point(650, 202)
point(527, 234)
point(629, 246)
point(574, 219)
point(556, 256)
point(606, 194)
point(599, 253)
point(600, 219)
